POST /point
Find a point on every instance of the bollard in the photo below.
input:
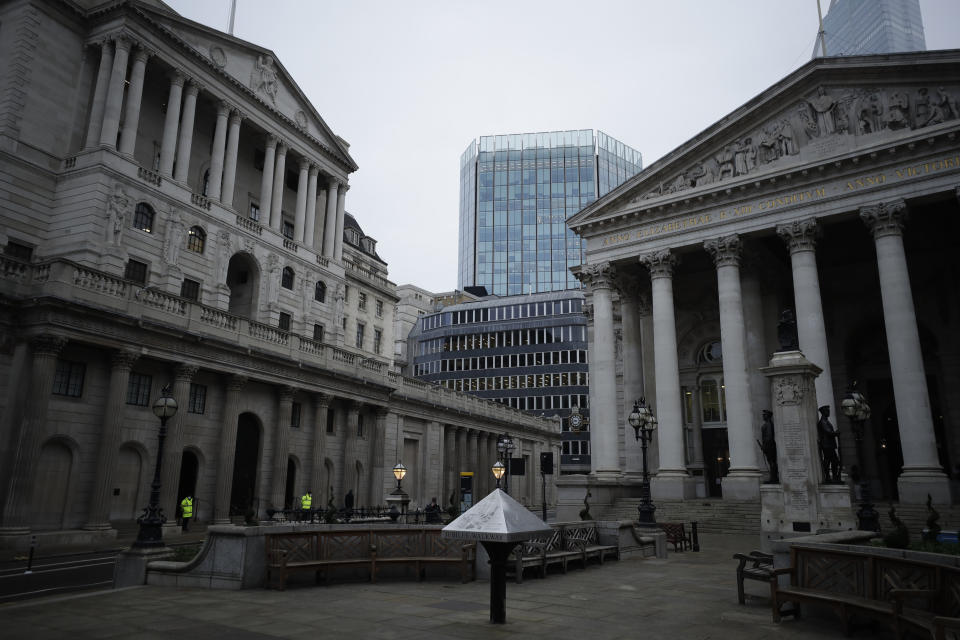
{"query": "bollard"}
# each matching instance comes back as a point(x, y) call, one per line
point(33, 545)
point(693, 534)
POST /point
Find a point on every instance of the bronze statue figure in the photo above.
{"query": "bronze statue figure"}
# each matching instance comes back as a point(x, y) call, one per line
point(828, 439)
point(768, 445)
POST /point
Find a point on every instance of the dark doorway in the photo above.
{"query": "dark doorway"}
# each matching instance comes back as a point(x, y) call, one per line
point(716, 459)
point(243, 277)
point(189, 469)
point(245, 461)
point(291, 483)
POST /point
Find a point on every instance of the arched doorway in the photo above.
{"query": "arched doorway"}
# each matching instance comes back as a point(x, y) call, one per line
point(290, 488)
point(243, 279)
point(52, 485)
point(125, 499)
point(189, 470)
point(245, 465)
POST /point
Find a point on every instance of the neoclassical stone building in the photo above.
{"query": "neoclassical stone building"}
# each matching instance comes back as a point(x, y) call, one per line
point(834, 194)
point(172, 211)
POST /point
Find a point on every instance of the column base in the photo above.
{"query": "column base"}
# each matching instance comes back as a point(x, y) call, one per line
point(743, 484)
point(131, 567)
point(673, 485)
point(171, 530)
point(915, 483)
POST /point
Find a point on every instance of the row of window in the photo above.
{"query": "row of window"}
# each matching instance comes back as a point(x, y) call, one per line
point(483, 363)
point(144, 219)
point(529, 381)
point(575, 448)
point(505, 312)
point(513, 338)
point(377, 337)
point(540, 403)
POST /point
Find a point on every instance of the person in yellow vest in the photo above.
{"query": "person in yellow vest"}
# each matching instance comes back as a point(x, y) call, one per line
point(306, 502)
point(186, 508)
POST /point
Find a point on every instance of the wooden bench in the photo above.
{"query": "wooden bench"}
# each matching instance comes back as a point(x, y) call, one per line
point(761, 568)
point(676, 535)
point(905, 591)
point(567, 541)
point(370, 549)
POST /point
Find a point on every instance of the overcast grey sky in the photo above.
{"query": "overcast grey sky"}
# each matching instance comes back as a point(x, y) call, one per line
point(410, 83)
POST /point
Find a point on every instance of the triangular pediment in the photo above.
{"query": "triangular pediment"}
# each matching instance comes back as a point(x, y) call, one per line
point(253, 67)
point(826, 110)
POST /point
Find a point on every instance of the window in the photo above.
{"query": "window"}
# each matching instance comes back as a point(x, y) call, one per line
point(344, 322)
point(320, 292)
point(346, 293)
point(190, 289)
point(379, 308)
point(143, 217)
point(361, 301)
point(331, 415)
point(287, 230)
point(254, 210)
point(360, 328)
point(318, 332)
point(377, 340)
point(136, 271)
point(138, 389)
point(286, 280)
point(198, 398)
point(68, 378)
point(18, 251)
point(284, 322)
point(295, 416)
point(196, 239)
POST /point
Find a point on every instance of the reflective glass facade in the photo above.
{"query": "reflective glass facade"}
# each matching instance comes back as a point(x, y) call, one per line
point(516, 192)
point(859, 27)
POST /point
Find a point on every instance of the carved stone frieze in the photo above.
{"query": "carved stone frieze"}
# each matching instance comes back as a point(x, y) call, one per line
point(264, 79)
point(885, 218)
point(660, 263)
point(800, 235)
point(597, 276)
point(725, 251)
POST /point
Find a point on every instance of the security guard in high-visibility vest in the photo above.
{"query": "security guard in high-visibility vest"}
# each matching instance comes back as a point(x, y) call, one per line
point(186, 507)
point(306, 502)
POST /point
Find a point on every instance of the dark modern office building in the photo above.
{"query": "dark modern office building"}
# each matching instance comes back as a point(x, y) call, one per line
point(528, 352)
point(858, 27)
point(516, 193)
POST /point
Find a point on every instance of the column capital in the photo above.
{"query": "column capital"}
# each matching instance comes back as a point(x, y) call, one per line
point(142, 54)
point(323, 400)
point(885, 218)
point(353, 407)
point(271, 140)
point(121, 41)
point(644, 305)
point(314, 170)
point(223, 108)
point(236, 382)
point(333, 183)
point(236, 116)
point(123, 359)
point(185, 372)
point(193, 88)
point(177, 77)
point(725, 251)
point(660, 263)
point(344, 187)
point(305, 165)
point(800, 235)
point(597, 276)
point(282, 147)
point(47, 344)
point(287, 393)
point(381, 412)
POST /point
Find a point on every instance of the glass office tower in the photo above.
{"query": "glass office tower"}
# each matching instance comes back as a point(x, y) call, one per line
point(859, 27)
point(516, 192)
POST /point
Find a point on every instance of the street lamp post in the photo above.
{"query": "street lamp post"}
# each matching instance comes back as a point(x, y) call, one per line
point(644, 422)
point(150, 534)
point(505, 446)
point(857, 409)
point(397, 496)
point(498, 471)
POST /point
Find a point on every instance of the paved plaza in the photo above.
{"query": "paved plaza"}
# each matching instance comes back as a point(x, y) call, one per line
point(689, 595)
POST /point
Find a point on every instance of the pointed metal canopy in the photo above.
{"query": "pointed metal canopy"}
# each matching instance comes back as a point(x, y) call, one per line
point(496, 518)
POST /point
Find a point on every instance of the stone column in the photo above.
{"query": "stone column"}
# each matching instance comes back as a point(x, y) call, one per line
point(481, 481)
point(921, 473)
point(228, 449)
point(341, 209)
point(266, 180)
point(350, 453)
point(629, 287)
point(696, 461)
point(276, 198)
point(671, 481)
point(185, 144)
point(461, 460)
point(98, 514)
point(743, 480)
point(217, 153)
point(300, 213)
point(330, 221)
point(801, 237)
point(18, 507)
point(171, 123)
point(281, 446)
point(377, 439)
point(131, 116)
point(604, 435)
point(95, 123)
point(450, 463)
point(173, 447)
point(311, 217)
point(319, 224)
point(320, 491)
point(756, 344)
point(114, 102)
point(230, 161)
point(473, 462)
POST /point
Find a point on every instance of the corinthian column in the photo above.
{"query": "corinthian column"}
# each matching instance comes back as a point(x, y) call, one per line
point(114, 103)
point(604, 458)
point(131, 116)
point(279, 177)
point(311, 217)
point(168, 147)
point(95, 123)
point(330, 221)
point(173, 447)
point(671, 480)
point(266, 179)
point(98, 515)
point(300, 213)
point(349, 465)
point(185, 144)
point(341, 212)
point(922, 473)
point(230, 159)
point(33, 426)
point(217, 155)
point(281, 446)
point(228, 449)
point(320, 448)
point(743, 481)
point(630, 304)
point(377, 440)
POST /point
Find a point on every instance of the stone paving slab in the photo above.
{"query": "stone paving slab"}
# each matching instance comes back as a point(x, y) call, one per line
point(688, 596)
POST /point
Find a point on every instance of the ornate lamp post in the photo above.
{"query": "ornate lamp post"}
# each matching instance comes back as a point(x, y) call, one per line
point(857, 409)
point(505, 446)
point(397, 496)
point(498, 471)
point(151, 522)
point(644, 422)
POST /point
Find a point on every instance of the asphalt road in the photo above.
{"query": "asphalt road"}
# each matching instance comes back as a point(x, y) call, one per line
point(56, 574)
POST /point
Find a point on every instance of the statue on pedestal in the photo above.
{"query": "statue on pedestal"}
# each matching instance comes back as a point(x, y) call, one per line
point(828, 439)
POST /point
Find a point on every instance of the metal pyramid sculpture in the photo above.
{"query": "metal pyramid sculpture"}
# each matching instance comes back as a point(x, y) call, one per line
point(496, 518)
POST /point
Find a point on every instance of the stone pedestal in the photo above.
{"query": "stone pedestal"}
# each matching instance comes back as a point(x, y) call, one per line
point(604, 491)
point(131, 568)
point(799, 505)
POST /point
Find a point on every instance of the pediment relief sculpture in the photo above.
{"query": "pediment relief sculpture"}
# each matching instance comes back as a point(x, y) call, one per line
point(831, 120)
